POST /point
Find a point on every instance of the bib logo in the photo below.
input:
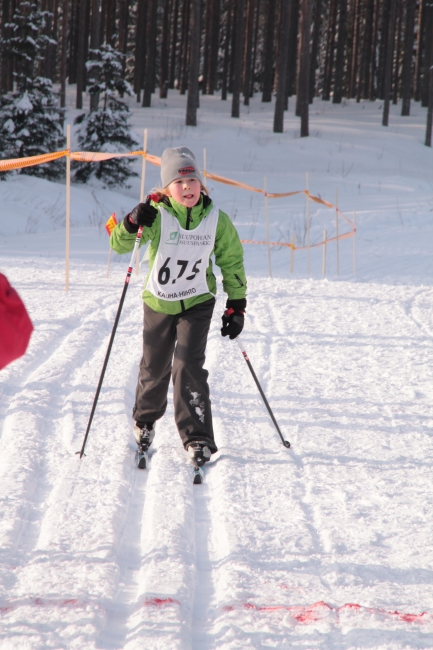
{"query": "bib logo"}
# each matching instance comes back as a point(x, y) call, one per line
point(173, 238)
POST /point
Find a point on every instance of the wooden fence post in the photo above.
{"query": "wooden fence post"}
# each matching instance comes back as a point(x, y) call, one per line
point(143, 176)
point(109, 260)
point(324, 254)
point(336, 230)
point(354, 244)
point(68, 201)
point(307, 217)
point(267, 229)
point(143, 166)
point(292, 255)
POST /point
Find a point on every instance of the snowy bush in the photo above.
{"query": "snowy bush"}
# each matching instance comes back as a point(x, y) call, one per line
point(31, 121)
point(106, 128)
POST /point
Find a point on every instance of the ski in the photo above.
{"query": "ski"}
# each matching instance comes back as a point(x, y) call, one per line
point(141, 458)
point(198, 474)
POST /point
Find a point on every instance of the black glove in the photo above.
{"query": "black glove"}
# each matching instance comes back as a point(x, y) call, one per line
point(233, 318)
point(143, 214)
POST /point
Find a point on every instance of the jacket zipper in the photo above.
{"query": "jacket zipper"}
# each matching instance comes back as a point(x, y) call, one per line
point(188, 221)
point(188, 217)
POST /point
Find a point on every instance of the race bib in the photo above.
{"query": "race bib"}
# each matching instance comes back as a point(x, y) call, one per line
point(179, 269)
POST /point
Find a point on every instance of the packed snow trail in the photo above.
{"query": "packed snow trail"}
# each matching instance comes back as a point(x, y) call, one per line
point(324, 545)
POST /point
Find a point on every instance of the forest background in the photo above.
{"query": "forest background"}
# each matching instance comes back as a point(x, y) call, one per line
point(335, 49)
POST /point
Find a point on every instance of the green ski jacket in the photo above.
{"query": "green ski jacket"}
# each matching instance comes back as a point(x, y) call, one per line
point(228, 252)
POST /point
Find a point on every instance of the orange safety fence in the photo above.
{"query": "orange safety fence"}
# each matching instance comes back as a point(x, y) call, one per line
point(17, 163)
point(93, 156)
point(345, 235)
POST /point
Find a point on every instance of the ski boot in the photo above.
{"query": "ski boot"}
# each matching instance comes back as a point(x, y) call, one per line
point(199, 453)
point(144, 436)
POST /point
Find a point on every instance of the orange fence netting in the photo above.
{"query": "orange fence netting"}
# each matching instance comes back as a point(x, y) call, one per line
point(17, 163)
point(93, 156)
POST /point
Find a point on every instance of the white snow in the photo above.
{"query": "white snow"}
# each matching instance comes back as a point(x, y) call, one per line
point(325, 545)
point(25, 104)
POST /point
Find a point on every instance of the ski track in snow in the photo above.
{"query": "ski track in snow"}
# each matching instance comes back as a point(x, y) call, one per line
point(325, 545)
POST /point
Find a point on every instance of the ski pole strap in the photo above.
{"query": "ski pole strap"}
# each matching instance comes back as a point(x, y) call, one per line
point(286, 443)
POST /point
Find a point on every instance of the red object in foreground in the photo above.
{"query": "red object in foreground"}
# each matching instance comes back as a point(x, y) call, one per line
point(318, 611)
point(15, 324)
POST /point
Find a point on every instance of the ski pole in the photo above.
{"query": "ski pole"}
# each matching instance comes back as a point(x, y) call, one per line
point(113, 333)
point(286, 443)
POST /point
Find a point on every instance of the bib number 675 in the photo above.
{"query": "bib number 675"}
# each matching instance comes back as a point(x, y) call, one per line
point(164, 273)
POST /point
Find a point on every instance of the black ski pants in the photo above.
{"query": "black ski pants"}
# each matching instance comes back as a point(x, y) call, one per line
point(175, 346)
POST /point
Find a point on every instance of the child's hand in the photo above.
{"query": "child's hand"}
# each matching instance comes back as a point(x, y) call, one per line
point(233, 318)
point(143, 214)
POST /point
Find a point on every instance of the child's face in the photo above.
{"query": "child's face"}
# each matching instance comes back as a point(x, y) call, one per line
point(185, 191)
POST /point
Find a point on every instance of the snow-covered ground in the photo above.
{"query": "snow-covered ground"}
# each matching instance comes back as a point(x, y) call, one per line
point(325, 545)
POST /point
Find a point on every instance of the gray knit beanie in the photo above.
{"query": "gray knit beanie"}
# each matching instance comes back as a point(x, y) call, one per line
point(178, 163)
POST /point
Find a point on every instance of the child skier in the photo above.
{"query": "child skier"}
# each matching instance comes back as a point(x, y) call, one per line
point(184, 229)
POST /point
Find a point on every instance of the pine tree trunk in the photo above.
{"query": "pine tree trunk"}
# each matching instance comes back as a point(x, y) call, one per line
point(64, 53)
point(103, 22)
point(367, 49)
point(283, 49)
point(238, 57)
point(232, 49)
point(140, 48)
point(248, 51)
point(173, 44)
point(149, 79)
point(207, 44)
point(123, 31)
point(213, 63)
point(73, 42)
point(303, 94)
point(51, 51)
point(428, 51)
point(54, 48)
point(339, 63)
point(164, 51)
point(184, 47)
point(398, 52)
point(329, 61)
point(81, 53)
point(419, 47)
point(388, 61)
point(111, 21)
point(86, 43)
point(315, 47)
point(45, 68)
point(383, 48)
point(428, 132)
point(355, 48)
point(406, 74)
point(255, 45)
point(6, 6)
point(361, 50)
point(292, 62)
point(279, 9)
point(194, 65)
point(372, 71)
point(268, 52)
point(94, 44)
point(228, 29)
